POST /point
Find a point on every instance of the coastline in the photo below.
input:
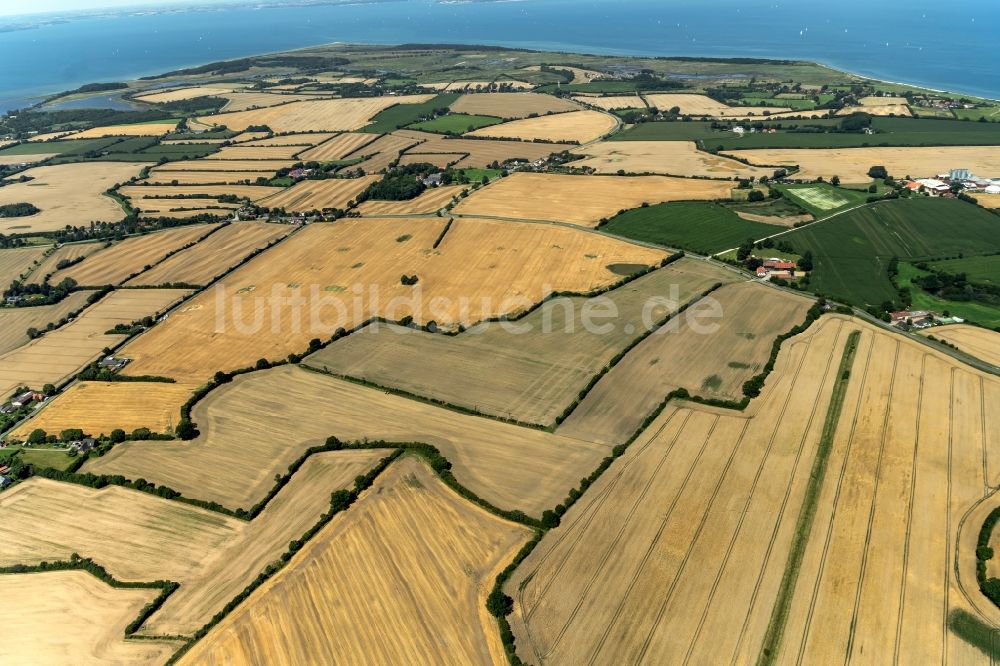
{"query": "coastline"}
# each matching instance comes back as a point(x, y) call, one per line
point(41, 98)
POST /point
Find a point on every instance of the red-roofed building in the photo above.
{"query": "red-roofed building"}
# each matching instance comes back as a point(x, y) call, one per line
point(778, 265)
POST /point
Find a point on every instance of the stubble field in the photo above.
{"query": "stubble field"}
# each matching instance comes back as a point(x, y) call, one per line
point(15, 262)
point(430, 201)
point(480, 152)
point(511, 105)
point(319, 609)
point(67, 194)
point(582, 200)
point(535, 369)
point(310, 195)
point(612, 103)
point(15, 322)
point(678, 158)
point(67, 252)
point(244, 432)
point(56, 356)
point(578, 126)
point(982, 343)
point(122, 260)
point(322, 115)
point(339, 147)
point(99, 407)
point(479, 268)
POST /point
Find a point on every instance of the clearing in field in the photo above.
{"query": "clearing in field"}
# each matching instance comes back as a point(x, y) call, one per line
point(510, 106)
point(99, 407)
point(407, 519)
point(310, 195)
point(67, 194)
point(66, 252)
point(678, 158)
point(338, 147)
point(852, 164)
point(430, 201)
point(214, 256)
point(90, 617)
point(244, 432)
point(582, 200)
point(982, 343)
point(700, 105)
point(131, 256)
point(680, 549)
point(611, 103)
point(535, 373)
point(139, 536)
point(349, 272)
point(15, 322)
point(711, 350)
point(822, 198)
point(19, 261)
point(327, 114)
point(481, 152)
point(139, 129)
point(575, 126)
point(56, 356)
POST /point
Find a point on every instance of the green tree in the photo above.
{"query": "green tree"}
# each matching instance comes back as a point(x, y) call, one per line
point(37, 436)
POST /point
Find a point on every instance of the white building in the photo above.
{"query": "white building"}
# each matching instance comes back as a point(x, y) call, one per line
point(934, 186)
point(960, 174)
point(993, 189)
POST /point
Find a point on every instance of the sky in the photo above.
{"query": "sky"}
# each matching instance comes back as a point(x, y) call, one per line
point(13, 8)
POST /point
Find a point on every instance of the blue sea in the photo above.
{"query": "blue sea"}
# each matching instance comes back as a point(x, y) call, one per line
point(950, 46)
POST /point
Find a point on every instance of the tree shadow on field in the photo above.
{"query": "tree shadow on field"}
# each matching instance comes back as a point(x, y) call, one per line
point(975, 632)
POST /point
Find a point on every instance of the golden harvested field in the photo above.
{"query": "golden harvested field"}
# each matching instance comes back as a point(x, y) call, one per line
point(988, 200)
point(245, 152)
point(982, 343)
point(431, 201)
point(482, 152)
point(100, 407)
point(710, 352)
point(71, 617)
point(612, 102)
point(158, 177)
point(14, 322)
point(349, 272)
point(183, 210)
point(578, 126)
point(16, 262)
point(122, 260)
point(48, 136)
point(139, 129)
point(56, 356)
point(852, 164)
point(339, 147)
point(66, 252)
point(214, 256)
point(582, 200)
point(327, 114)
point(319, 609)
point(878, 109)
point(242, 101)
point(579, 75)
point(244, 431)
point(680, 548)
point(188, 142)
point(212, 556)
point(252, 192)
point(67, 194)
point(511, 105)
point(381, 153)
point(307, 139)
point(17, 160)
point(309, 195)
point(440, 160)
point(700, 105)
point(678, 158)
point(191, 92)
point(535, 373)
point(261, 165)
point(245, 137)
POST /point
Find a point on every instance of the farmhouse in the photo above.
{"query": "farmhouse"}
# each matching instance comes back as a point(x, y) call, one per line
point(934, 186)
point(113, 363)
point(26, 399)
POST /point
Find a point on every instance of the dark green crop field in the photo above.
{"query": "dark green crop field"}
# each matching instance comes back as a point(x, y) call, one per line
point(402, 115)
point(852, 251)
point(455, 123)
point(707, 228)
point(982, 270)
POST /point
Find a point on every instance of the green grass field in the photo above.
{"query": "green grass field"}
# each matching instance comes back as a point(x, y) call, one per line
point(784, 102)
point(456, 123)
point(706, 228)
point(401, 115)
point(978, 313)
point(981, 270)
point(60, 147)
point(852, 251)
point(889, 132)
point(39, 457)
point(928, 112)
point(991, 113)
